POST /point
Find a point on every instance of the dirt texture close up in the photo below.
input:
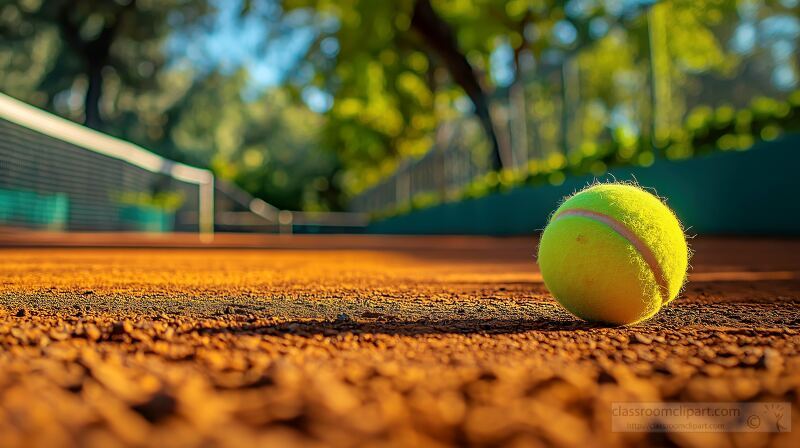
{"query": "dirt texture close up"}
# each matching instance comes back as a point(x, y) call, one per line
point(432, 342)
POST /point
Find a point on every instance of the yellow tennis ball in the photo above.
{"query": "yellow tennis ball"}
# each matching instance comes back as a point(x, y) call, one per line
point(613, 253)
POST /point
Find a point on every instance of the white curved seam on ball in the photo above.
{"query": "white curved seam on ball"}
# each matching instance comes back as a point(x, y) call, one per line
point(631, 237)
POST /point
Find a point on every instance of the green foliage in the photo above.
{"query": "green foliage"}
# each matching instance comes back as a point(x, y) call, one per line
point(267, 145)
point(49, 49)
point(168, 201)
point(666, 84)
point(391, 91)
point(383, 106)
point(705, 130)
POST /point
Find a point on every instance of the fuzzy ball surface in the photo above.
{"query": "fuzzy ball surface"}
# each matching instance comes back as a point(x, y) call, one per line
point(613, 253)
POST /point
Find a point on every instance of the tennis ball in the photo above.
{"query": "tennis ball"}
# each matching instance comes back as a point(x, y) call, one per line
point(613, 253)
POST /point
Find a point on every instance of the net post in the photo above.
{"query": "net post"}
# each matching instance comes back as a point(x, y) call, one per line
point(206, 210)
point(285, 222)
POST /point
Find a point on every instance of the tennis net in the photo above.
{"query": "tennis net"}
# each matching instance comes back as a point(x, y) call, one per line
point(58, 175)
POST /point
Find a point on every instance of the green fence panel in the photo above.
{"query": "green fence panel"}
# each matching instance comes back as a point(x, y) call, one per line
point(30, 209)
point(146, 219)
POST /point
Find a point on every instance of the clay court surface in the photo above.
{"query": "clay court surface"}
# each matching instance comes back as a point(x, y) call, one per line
point(349, 341)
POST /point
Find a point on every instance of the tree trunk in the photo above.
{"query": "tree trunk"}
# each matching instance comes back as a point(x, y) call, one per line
point(440, 38)
point(94, 92)
point(95, 54)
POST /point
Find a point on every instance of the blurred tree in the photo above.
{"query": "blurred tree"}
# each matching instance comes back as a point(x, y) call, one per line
point(77, 45)
point(397, 69)
point(384, 85)
point(267, 145)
